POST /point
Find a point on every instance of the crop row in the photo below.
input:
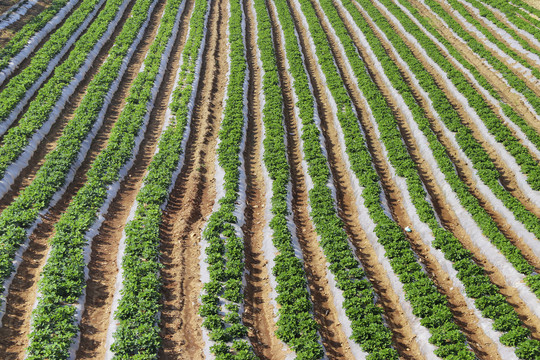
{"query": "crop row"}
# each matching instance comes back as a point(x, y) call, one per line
point(517, 16)
point(501, 133)
point(296, 325)
point(45, 108)
point(61, 289)
point(18, 219)
point(367, 325)
point(477, 284)
point(223, 292)
point(137, 333)
point(486, 169)
point(427, 303)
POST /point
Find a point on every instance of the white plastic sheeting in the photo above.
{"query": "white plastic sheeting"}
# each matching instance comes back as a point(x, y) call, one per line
point(426, 234)
point(505, 156)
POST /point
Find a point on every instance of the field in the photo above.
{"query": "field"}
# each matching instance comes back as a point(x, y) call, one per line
point(270, 179)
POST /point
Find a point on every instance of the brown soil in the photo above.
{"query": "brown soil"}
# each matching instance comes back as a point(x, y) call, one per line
point(403, 336)
point(496, 277)
point(500, 86)
point(464, 171)
point(103, 266)
point(535, 3)
point(191, 203)
point(22, 295)
point(27, 61)
point(532, 82)
point(7, 33)
point(505, 21)
point(48, 143)
point(334, 339)
point(258, 311)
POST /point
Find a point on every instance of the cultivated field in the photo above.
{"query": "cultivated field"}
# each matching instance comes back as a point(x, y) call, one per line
point(270, 179)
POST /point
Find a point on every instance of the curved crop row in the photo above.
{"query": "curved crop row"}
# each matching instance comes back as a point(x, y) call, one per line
point(137, 332)
point(518, 17)
point(483, 11)
point(477, 284)
point(18, 219)
point(296, 325)
point(427, 303)
point(462, 10)
point(367, 325)
point(223, 292)
point(486, 170)
point(19, 88)
point(62, 283)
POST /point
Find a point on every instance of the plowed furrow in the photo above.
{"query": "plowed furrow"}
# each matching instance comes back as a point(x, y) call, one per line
point(22, 293)
point(103, 267)
point(461, 166)
point(403, 335)
point(258, 311)
point(8, 33)
point(334, 339)
point(191, 202)
point(531, 81)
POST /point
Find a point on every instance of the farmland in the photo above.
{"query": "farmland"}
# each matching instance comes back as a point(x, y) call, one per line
point(270, 179)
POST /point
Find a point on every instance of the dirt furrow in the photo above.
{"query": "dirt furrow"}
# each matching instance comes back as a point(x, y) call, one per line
point(258, 311)
point(463, 315)
point(449, 219)
point(191, 202)
point(27, 61)
point(507, 176)
point(48, 143)
point(22, 294)
point(103, 267)
point(334, 339)
point(531, 81)
point(503, 19)
point(461, 166)
point(403, 335)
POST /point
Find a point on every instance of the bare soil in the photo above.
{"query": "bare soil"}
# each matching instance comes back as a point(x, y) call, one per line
point(7, 33)
point(258, 311)
point(191, 202)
